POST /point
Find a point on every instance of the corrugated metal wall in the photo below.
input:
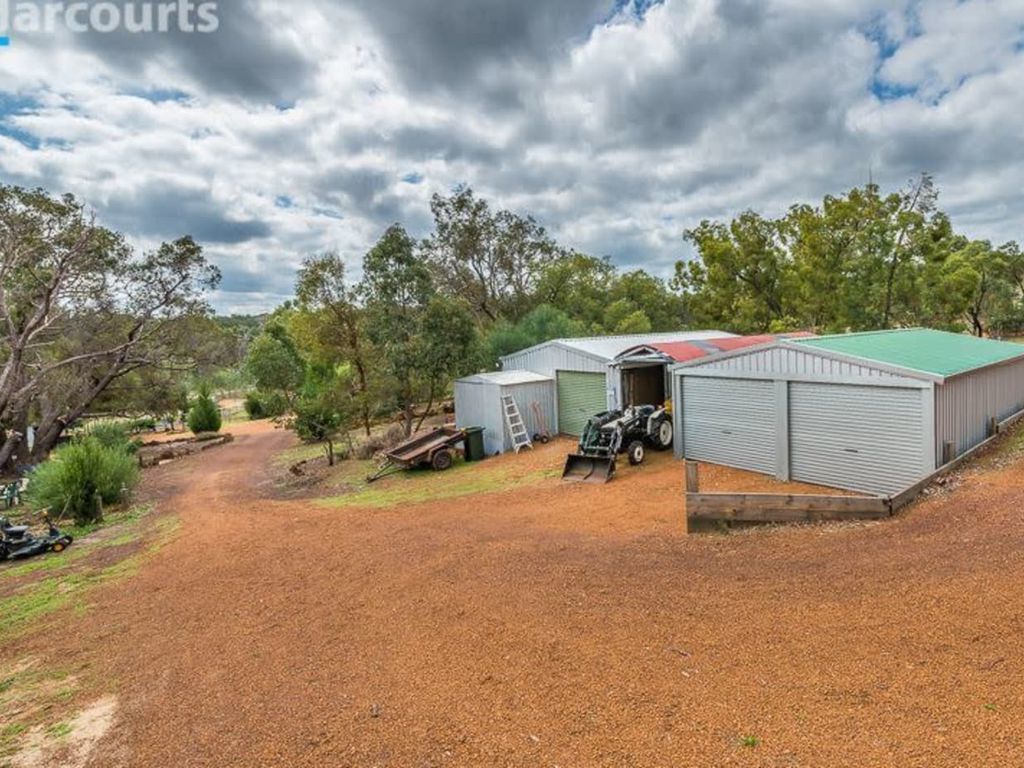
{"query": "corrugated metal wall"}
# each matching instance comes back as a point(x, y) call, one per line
point(548, 360)
point(479, 405)
point(731, 422)
point(794, 362)
point(859, 438)
point(540, 392)
point(963, 405)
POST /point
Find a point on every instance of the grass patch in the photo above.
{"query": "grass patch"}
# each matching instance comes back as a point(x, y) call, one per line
point(69, 577)
point(419, 485)
point(59, 730)
point(749, 741)
point(299, 453)
point(82, 534)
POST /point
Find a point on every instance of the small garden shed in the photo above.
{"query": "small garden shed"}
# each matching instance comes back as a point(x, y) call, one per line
point(872, 412)
point(478, 403)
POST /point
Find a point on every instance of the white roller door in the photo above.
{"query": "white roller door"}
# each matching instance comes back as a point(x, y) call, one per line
point(867, 439)
point(730, 421)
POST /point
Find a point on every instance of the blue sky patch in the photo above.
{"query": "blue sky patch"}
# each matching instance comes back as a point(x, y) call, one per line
point(283, 201)
point(11, 106)
point(635, 8)
point(160, 95)
point(413, 178)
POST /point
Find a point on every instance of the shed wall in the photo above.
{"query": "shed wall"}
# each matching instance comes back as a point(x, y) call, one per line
point(540, 392)
point(551, 358)
point(794, 363)
point(964, 405)
point(479, 405)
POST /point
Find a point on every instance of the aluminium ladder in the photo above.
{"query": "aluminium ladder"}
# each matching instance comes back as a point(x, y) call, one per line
point(514, 424)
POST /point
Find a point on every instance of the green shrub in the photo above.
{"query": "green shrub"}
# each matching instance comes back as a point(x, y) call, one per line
point(274, 404)
point(204, 416)
point(145, 424)
point(113, 434)
point(76, 473)
point(254, 406)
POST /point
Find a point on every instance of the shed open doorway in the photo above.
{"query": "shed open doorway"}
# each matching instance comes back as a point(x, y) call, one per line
point(644, 385)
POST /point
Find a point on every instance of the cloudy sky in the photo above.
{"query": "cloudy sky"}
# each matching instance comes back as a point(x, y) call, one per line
point(306, 125)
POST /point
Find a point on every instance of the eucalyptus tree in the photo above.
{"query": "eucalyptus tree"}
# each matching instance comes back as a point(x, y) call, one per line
point(79, 309)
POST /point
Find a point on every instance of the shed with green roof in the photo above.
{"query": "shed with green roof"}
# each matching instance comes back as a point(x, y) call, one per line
point(872, 412)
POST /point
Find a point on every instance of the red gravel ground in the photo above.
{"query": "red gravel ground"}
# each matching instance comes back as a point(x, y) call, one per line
point(557, 625)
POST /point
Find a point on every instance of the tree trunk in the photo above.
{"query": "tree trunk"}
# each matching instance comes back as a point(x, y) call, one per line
point(330, 453)
point(426, 412)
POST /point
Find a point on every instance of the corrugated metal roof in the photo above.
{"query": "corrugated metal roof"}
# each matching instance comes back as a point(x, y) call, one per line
point(742, 342)
point(920, 349)
point(607, 347)
point(505, 378)
point(682, 351)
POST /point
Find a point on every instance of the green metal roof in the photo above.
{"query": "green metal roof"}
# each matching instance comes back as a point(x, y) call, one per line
point(920, 349)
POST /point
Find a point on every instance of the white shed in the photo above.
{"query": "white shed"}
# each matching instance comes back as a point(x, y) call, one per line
point(478, 404)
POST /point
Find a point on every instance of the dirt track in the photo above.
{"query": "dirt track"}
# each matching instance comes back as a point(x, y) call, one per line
point(558, 626)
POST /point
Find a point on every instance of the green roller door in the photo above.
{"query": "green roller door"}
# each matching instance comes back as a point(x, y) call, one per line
point(580, 396)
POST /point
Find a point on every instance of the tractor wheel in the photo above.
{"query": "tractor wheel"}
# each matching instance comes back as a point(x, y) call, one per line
point(661, 439)
point(635, 452)
point(441, 460)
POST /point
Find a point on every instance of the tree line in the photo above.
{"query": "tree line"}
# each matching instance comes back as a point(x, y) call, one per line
point(485, 283)
point(859, 261)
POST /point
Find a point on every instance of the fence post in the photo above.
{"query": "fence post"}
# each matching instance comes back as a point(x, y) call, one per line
point(692, 477)
point(993, 426)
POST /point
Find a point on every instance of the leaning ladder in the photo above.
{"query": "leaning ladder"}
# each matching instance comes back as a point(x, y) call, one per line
point(514, 423)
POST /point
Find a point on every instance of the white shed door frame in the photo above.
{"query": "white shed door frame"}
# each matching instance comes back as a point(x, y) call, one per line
point(861, 438)
point(731, 422)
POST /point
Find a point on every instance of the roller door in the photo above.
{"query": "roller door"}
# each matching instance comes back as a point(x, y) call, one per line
point(731, 422)
point(580, 396)
point(867, 439)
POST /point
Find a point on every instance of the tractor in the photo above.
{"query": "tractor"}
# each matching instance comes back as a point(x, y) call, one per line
point(611, 433)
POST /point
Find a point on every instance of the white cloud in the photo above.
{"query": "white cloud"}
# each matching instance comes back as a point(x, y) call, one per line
point(315, 125)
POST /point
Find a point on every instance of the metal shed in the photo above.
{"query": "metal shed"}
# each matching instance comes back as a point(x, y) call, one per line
point(586, 378)
point(478, 404)
point(868, 412)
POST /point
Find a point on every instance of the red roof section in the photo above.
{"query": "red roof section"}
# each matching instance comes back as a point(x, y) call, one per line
point(681, 351)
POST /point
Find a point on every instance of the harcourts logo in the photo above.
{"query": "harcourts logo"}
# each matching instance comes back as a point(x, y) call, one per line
point(32, 16)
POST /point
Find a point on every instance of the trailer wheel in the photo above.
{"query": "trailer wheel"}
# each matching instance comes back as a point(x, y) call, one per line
point(635, 452)
point(442, 460)
point(662, 436)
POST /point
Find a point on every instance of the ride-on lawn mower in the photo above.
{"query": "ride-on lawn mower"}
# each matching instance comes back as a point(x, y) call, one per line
point(16, 543)
point(613, 432)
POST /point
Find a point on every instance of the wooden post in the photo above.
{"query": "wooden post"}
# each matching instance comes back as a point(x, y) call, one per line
point(948, 452)
point(692, 477)
point(993, 426)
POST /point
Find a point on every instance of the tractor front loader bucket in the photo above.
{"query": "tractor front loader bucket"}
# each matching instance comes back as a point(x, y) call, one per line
point(580, 468)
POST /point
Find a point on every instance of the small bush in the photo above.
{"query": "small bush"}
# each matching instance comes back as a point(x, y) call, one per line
point(369, 447)
point(77, 473)
point(145, 424)
point(374, 444)
point(254, 406)
point(204, 416)
point(109, 433)
point(274, 404)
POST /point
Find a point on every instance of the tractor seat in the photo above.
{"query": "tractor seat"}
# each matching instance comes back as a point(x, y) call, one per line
point(15, 531)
